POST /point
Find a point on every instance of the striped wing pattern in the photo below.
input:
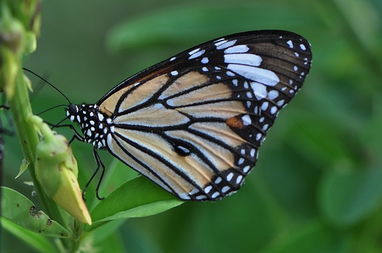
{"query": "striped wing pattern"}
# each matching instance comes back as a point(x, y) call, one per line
point(194, 123)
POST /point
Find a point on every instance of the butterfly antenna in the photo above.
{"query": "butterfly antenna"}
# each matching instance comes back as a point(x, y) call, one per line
point(51, 108)
point(51, 85)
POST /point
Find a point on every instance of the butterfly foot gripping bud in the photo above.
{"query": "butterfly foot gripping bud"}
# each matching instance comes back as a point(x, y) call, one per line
point(56, 170)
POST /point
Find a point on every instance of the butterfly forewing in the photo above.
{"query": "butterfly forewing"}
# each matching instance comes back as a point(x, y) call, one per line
point(194, 123)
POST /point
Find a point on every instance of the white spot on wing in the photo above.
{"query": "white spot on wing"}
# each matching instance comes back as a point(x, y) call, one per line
point(208, 189)
point(236, 49)
point(197, 54)
point(218, 180)
point(264, 106)
point(302, 46)
point(260, 75)
point(225, 189)
point(215, 195)
point(174, 73)
point(220, 42)
point(280, 103)
point(246, 120)
point(200, 197)
point(204, 60)
point(225, 44)
point(229, 73)
point(290, 43)
point(259, 90)
point(193, 51)
point(184, 196)
point(273, 94)
point(249, 59)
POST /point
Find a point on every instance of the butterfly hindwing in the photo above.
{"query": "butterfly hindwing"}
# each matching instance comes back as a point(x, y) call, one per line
point(194, 123)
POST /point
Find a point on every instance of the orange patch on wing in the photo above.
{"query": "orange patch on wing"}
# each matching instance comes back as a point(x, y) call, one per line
point(235, 122)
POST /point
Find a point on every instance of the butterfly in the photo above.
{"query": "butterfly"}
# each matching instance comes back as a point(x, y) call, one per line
point(193, 124)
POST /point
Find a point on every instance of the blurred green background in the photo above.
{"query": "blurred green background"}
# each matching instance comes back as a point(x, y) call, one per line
point(317, 186)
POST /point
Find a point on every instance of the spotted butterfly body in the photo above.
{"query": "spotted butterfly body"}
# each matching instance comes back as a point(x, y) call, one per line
point(193, 124)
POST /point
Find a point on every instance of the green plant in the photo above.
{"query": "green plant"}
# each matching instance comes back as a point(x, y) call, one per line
point(60, 225)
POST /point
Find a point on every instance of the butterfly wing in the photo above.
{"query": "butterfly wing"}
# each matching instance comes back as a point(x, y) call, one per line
point(193, 124)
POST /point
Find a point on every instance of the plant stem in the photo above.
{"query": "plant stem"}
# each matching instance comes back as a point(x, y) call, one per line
point(21, 111)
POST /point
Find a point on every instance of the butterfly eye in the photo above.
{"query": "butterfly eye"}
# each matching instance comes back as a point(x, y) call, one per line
point(72, 109)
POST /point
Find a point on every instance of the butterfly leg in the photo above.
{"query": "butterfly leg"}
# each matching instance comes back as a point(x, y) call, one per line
point(92, 177)
point(99, 162)
point(76, 137)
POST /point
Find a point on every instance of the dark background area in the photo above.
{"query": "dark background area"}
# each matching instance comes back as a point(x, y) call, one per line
point(317, 184)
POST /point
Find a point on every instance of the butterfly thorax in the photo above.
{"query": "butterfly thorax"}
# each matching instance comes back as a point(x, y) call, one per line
point(94, 124)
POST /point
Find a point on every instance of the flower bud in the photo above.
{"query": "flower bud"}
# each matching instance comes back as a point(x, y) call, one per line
point(56, 170)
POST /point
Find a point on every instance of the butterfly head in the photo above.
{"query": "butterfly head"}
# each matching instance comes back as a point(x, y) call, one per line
point(73, 112)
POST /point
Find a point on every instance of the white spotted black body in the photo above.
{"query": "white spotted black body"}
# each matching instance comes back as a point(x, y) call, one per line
point(94, 124)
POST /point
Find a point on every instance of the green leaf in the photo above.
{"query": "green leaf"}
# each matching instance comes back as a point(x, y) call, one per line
point(136, 198)
point(20, 210)
point(117, 174)
point(101, 230)
point(23, 167)
point(347, 196)
point(37, 241)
